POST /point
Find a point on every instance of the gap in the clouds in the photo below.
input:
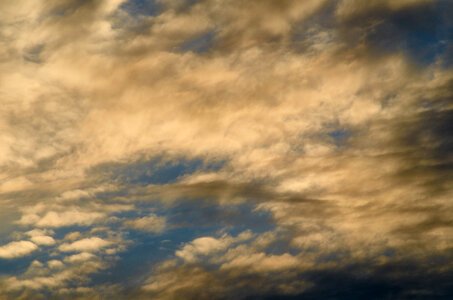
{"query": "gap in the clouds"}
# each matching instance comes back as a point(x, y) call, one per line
point(387, 100)
point(389, 252)
point(418, 31)
point(186, 220)
point(433, 40)
point(61, 232)
point(337, 134)
point(156, 170)
point(433, 106)
point(200, 44)
point(193, 215)
point(15, 266)
point(141, 7)
point(334, 256)
point(340, 136)
point(66, 8)
point(19, 265)
point(33, 54)
point(310, 31)
point(421, 32)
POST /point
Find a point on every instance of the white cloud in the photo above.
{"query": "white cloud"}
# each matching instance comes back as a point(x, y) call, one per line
point(43, 240)
point(209, 245)
point(72, 235)
point(203, 245)
point(38, 282)
point(260, 262)
point(74, 195)
point(152, 223)
point(38, 232)
point(36, 264)
point(55, 264)
point(17, 249)
point(79, 257)
point(89, 244)
point(61, 219)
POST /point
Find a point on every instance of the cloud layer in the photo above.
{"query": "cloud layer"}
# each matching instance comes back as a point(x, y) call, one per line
point(226, 149)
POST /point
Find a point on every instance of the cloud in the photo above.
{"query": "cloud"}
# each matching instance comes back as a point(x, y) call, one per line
point(323, 127)
point(15, 184)
point(151, 223)
point(17, 249)
point(203, 246)
point(55, 264)
point(92, 244)
point(261, 263)
point(79, 257)
point(61, 219)
point(43, 240)
point(229, 265)
point(38, 278)
point(72, 236)
point(209, 245)
point(39, 232)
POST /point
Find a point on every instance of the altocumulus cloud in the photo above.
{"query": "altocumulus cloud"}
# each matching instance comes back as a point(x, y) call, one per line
point(88, 244)
point(151, 223)
point(262, 149)
point(17, 249)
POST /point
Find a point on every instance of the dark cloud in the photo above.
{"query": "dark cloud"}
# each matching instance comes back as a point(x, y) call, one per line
point(426, 149)
point(33, 54)
point(396, 279)
point(429, 134)
point(401, 280)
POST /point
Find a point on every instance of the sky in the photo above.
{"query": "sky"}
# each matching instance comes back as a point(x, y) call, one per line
point(226, 149)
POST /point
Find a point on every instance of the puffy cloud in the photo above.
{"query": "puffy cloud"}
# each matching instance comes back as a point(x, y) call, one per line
point(209, 245)
point(38, 232)
point(225, 260)
point(151, 223)
point(55, 264)
point(203, 245)
point(92, 244)
point(79, 257)
point(43, 240)
point(17, 249)
point(61, 219)
point(51, 280)
point(72, 235)
point(259, 262)
point(41, 237)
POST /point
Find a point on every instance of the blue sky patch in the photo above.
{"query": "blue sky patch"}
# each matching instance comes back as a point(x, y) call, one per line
point(200, 44)
point(157, 170)
point(340, 136)
point(141, 7)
